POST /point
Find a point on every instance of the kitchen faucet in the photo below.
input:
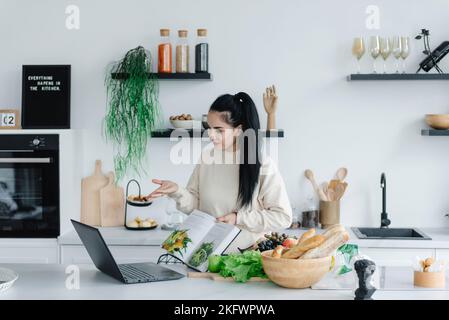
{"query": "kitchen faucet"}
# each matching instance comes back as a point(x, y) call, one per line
point(384, 221)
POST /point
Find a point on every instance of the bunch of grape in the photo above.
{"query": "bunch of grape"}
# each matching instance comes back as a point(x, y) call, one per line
point(271, 241)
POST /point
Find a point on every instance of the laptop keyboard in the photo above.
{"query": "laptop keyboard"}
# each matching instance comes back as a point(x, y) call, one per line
point(131, 272)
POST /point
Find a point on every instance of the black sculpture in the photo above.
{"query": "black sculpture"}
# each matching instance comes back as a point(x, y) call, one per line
point(432, 57)
point(365, 269)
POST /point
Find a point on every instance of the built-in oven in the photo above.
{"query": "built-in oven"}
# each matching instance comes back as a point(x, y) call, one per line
point(29, 186)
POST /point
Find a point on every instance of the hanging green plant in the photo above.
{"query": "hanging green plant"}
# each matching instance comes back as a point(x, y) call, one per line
point(132, 111)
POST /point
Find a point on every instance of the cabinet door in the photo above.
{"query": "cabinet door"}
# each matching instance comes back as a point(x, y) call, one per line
point(28, 255)
point(73, 254)
point(398, 257)
point(442, 254)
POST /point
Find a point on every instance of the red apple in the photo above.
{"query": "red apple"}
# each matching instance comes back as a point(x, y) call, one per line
point(289, 242)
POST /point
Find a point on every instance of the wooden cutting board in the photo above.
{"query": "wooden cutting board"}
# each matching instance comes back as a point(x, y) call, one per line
point(90, 196)
point(217, 277)
point(112, 204)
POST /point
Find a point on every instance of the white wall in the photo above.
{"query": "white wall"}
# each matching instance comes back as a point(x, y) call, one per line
point(304, 47)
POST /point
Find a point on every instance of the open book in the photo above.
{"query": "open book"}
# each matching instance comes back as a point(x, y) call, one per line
point(199, 237)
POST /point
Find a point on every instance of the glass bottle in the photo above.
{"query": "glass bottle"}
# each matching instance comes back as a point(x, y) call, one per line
point(182, 52)
point(202, 52)
point(165, 53)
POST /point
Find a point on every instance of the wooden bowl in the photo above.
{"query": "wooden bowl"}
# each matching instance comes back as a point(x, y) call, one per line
point(295, 273)
point(438, 121)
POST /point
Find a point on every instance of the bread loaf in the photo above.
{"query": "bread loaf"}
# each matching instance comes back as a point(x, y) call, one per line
point(306, 235)
point(298, 250)
point(328, 247)
point(277, 252)
point(332, 230)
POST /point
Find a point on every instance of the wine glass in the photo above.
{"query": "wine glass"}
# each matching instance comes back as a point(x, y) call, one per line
point(405, 42)
point(397, 50)
point(374, 50)
point(385, 50)
point(358, 50)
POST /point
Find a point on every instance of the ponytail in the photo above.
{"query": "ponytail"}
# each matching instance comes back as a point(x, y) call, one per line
point(242, 111)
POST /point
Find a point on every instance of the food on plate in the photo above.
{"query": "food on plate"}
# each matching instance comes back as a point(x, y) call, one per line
point(328, 247)
point(137, 198)
point(240, 266)
point(306, 235)
point(201, 254)
point(138, 222)
point(277, 252)
point(177, 242)
point(182, 117)
point(302, 247)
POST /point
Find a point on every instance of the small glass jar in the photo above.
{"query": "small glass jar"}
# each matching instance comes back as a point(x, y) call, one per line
point(182, 52)
point(202, 52)
point(310, 215)
point(165, 53)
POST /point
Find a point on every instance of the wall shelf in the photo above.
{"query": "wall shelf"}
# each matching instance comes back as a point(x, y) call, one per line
point(166, 133)
point(434, 133)
point(169, 76)
point(397, 76)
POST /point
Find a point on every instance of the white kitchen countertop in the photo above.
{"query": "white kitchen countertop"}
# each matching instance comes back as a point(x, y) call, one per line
point(39, 281)
point(121, 236)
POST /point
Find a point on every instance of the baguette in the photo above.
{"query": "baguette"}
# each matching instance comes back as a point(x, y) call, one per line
point(277, 252)
point(298, 250)
point(306, 235)
point(332, 230)
point(328, 247)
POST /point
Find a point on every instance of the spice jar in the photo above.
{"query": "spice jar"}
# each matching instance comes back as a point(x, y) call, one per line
point(165, 52)
point(182, 52)
point(202, 52)
point(310, 215)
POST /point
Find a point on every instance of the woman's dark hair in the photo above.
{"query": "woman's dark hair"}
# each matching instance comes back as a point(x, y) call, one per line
point(240, 109)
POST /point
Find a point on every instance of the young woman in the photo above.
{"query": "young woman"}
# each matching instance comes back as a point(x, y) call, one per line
point(248, 192)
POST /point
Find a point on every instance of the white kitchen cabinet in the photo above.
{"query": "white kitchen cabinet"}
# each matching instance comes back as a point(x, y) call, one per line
point(74, 254)
point(442, 254)
point(29, 251)
point(398, 257)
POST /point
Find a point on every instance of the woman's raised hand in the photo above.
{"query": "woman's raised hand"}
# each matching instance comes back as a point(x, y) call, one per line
point(166, 187)
point(270, 100)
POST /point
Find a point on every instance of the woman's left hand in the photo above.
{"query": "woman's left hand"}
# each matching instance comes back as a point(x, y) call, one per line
point(230, 218)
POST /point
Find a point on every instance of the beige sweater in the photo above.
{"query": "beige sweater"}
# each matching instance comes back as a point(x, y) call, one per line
point(213, 188)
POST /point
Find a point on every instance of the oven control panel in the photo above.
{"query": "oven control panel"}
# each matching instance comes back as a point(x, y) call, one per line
point(29, 142)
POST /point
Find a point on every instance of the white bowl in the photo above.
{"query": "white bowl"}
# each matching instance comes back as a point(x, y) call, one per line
point(185, 124)
point(7, 278)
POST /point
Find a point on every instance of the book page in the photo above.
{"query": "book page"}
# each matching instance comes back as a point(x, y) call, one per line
point(196, 226)
point(214, 242)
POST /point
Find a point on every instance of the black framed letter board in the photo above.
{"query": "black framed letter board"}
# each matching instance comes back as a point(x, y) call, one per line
point(46, 96)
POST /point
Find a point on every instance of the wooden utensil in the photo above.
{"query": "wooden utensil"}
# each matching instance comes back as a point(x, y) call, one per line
point(333, 184)
point(112, 204)
point(217, 277)
point(340, 190)
point(331, 194)
point(341, 174)
point(309, 175)
point(90, 196)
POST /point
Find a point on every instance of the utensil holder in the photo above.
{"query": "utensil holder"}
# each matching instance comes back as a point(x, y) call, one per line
point(329, 213)
point(429, 279)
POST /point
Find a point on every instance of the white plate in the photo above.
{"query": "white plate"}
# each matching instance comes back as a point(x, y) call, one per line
point(7, 278)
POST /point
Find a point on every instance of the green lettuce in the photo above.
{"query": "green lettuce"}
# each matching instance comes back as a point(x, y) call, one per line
point(240, 266)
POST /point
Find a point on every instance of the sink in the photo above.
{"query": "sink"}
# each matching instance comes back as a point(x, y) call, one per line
point(390, 233)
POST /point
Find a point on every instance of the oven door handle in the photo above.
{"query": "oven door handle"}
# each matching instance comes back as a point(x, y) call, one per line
point(26, 160)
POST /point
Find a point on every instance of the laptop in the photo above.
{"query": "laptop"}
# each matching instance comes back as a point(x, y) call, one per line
point(126, 273)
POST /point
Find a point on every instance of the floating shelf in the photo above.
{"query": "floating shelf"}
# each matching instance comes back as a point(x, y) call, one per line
point(398, 76)
point(169, 76)
point(434, 133)
point(166, 133)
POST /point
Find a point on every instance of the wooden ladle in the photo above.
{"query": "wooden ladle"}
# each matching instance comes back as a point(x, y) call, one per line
point(309, 175)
